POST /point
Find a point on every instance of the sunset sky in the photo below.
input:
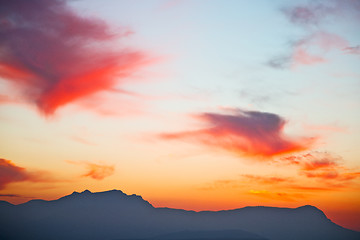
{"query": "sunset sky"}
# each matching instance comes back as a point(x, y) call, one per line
point(201, 105)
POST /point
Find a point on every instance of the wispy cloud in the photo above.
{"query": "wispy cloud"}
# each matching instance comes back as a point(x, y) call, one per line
point(322, 165)
point(280, 196)
point(56, 56)
point(246, 133)
point(352, 50)
point(94, 170)
point(309, 50)
point(266, 179)
point(317, 41)
point(13, 195)
point(10, 172)
point(314, 13)
point(308, 14)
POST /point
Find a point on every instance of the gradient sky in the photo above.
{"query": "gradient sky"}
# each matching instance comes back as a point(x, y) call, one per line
point(202, 105)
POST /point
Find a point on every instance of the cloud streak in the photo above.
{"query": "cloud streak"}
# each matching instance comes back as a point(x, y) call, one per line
point(95, 171)
point(99, 172)
point(312, 48)
point(282, 196)
point(9, 173)
point(246, 133)
point(352, 50)
point(322, 165)
point(56, 56)
point(313, 13)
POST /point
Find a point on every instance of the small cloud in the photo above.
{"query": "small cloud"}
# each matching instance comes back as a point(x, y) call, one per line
point(314, 13)
point(308, 14)
point(246, 133)
point(352, 50)
point(255, 97)
point(96, 171)
point(302, 57)
point(322, 165)
point(309, 50)
point(99, 172)
point(312, 48)
point(280, 62)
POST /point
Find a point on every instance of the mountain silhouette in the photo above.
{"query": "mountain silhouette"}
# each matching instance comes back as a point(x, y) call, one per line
point(114, 215)
point(210, 235)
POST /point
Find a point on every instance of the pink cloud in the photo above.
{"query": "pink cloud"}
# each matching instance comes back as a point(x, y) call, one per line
point(311, 16)
point(56, 56)
point(301, 56)
point(248, 133)
point(352, 50)
point(311, 49)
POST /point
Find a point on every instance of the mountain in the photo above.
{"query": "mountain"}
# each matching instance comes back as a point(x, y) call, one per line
point(210, 235)
point(114, 215)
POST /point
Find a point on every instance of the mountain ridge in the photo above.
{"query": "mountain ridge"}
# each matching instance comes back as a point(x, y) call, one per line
point(89, 193)
point(115, 215)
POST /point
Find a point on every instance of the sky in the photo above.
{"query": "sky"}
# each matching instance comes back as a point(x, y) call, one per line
point(201, 105)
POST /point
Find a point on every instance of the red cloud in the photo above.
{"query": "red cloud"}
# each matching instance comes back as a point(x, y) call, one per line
point(248, 133)
point(9, 173)
point(56, 56)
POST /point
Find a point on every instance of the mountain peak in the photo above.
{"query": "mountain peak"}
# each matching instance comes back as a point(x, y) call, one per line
point(106, 197)
point(309, 207)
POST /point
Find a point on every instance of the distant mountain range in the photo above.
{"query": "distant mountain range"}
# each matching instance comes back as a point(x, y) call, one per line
point(114, 215)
